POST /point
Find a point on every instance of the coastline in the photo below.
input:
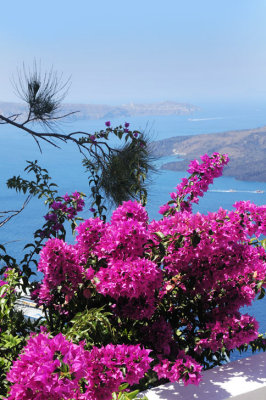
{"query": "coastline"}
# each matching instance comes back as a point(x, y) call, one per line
point(246, 150)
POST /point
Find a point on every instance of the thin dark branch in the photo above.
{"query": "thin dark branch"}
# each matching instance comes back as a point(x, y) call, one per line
point(30, 131)
point(38, 144)
point(11, 117)
point(7, 212)
point(66, 115)
point(84, 146)
point(11, 241)
point(14, 213)
point(53, 119)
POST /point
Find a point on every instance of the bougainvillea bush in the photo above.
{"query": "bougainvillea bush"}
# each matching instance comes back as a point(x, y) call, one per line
point(142, 302)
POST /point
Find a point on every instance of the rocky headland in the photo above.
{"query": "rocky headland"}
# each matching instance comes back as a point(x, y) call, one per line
point(246, 149)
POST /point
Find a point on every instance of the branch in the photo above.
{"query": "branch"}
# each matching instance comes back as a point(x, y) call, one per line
point(34, 134)
point(12, 118)
point(43, 94)
point(14, 213)
point(50, 120)
point(84, 144)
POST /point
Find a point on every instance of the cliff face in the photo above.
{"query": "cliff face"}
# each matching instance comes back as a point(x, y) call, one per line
point(246, 150)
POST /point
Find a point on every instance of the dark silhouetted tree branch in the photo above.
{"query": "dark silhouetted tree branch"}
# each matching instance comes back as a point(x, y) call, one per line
point(12, 213)
point(117, 173)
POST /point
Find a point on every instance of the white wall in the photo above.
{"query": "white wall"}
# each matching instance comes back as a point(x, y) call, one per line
point(243, 379)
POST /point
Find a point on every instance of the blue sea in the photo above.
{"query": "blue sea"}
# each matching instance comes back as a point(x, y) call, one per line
point(65, 168)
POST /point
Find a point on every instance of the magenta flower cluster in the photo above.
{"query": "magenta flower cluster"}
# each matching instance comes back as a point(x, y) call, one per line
point(62, 271)
point(190, 189)
point(89, 234)
point(68, 208)
point(120, 244)
point(184, 368)
point(213, 251)
point(112, 365)
point(56, 369)
point(130, 278)
point(181, 281)
point(230, 332)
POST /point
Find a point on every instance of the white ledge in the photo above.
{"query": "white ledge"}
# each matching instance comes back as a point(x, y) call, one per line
point(243, 379)
point(28, 307)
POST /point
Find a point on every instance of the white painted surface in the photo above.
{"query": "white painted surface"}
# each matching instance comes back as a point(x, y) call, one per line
point(28, 307)
point(243, 379)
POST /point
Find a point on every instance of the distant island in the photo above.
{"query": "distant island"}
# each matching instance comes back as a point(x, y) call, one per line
point(246, 149)
point(101, 111)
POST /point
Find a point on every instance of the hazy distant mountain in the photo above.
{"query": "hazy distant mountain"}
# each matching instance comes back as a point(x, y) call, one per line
point(7, 109)
point(98, 111)
point(246, 150)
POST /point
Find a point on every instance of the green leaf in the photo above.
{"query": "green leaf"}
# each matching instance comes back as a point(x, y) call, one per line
point(263, 243)
point(64, 367)
point(132, 395)
point(2, 248)
point(123, 386)
point(160, 235)
point(262, 293)
point(28, 245)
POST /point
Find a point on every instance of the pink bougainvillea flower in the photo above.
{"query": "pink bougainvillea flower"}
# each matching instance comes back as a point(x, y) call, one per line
point(52, 368)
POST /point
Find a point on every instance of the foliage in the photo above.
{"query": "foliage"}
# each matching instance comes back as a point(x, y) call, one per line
point(119, 174)
point(42, 92)
point(132, 303)
point(14, 328)
point(60, 210)
point(93, 326)
point(123, 177)
point(66, 370)
point(172, 287)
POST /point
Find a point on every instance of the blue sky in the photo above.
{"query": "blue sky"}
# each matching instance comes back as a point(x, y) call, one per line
point(142, 50)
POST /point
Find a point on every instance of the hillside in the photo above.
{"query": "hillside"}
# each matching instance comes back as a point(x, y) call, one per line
point(246, 149)
point(99, 111)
